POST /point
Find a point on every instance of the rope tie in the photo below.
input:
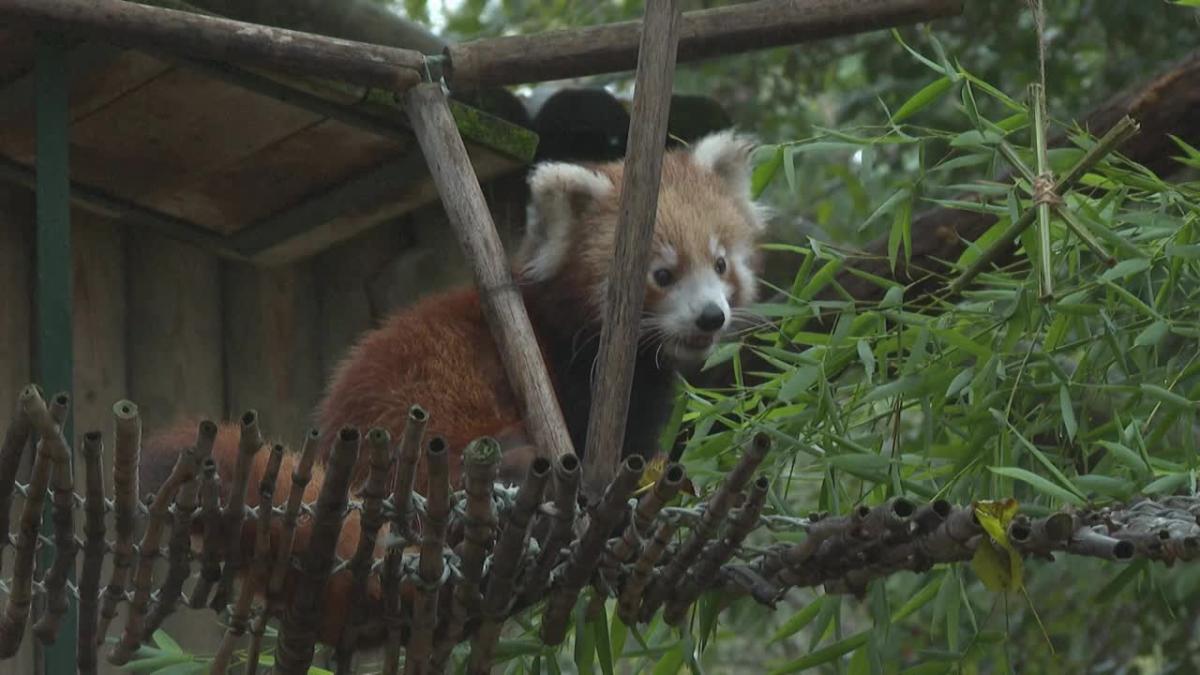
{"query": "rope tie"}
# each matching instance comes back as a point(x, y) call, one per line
point(1043, 190)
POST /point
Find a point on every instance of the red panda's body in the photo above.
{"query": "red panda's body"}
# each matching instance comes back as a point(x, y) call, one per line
point(439, 353)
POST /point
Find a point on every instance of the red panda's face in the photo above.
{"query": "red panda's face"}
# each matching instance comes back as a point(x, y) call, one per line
point(704, 257)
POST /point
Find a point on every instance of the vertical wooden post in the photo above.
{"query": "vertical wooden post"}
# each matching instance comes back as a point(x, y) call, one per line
point(54, 336)
point(635, 229)
point(503, 306)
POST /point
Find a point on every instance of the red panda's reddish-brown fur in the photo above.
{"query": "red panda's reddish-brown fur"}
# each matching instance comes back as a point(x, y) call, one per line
point(159, 453)
point(439, 353)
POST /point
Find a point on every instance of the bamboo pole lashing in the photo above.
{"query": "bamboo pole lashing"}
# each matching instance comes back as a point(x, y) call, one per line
point(302, 617)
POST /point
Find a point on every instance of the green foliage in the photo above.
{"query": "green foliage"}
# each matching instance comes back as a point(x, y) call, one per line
point(1089, 397)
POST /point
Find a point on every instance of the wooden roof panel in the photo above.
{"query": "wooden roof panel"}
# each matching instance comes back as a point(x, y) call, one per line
point(276, 176)
point(174, 131)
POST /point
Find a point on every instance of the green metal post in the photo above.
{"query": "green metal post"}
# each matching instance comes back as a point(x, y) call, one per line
point(54, 353)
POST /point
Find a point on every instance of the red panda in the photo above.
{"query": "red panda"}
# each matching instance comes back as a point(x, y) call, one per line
point(439, 352)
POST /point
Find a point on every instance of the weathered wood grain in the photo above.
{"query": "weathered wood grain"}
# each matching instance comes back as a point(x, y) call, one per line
point(708, 33)
point(174, 330)
point(502, 304)
point(222, 39)
point(636, 214)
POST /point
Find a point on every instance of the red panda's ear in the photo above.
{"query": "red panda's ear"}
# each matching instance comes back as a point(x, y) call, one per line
point(559, 194)
point(727, 154)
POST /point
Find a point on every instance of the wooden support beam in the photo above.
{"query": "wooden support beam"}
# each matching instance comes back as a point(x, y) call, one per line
point(53, 347)
point(703, 34)
point(503, 306)
point(101, 203)
point(220, 39)
point(636, 215)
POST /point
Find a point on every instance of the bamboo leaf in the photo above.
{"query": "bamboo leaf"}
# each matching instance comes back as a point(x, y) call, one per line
point(1038, 483)
point(923, 98)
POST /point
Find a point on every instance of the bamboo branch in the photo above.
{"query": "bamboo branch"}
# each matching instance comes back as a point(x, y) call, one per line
point(20, 594)
point(588, 551)
point(239, 617)
point(301, 475)
point(250, 442)
point(407, 456)
point(126, 457)
point(503, 306)
point(159, 503)
point(630, 600)
point(298, 634)
point(93, 551)
point(210, 551)
point(704, 34)
point(431, 567)
point(16, 438)
point(375, 491)
point(647, 510)
point(63, 501)
point(180, 544)
point(637, 212)
point(225, 40)
point(481, 468)
point(400, 532)
point(706, 570)
point(510, 549)
point(1118, 134)
point(561, 528)
point(715, 511)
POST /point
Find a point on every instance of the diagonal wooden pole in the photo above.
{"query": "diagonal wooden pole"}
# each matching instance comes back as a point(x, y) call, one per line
point(635, 229)
point(503, 306)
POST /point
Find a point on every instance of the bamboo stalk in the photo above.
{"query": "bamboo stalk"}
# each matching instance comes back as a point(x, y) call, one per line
point(407, 455)
point(376, 489)
point(705, 571)
point(510, 548)
point(636, 215)
point(665, 489)
point(704, 34)
point(180, 543)
point(159, 503)
point(225, 40)
point(562, 526)
point(257, 632)
point(1110, 141)
point(586, 555)
point(250, 442)
point(481, 468)
point(239, 617)
point(1037, 101)
point(301, 475)
point(16, 438)
point(715, 511)
point(630, 599)
point(431, 567)
point(298, 634)
point(62, 482)
point(503, 306)
point(93, 551)
point(210, 547)
point(20, 594)
point(126, 457)
point(400, 532)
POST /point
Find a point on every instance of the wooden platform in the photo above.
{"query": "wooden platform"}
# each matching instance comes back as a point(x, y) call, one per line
point(251, 165)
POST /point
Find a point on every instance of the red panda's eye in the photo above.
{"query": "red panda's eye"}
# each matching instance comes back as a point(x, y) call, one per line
point(662, 277)
point(720, 266)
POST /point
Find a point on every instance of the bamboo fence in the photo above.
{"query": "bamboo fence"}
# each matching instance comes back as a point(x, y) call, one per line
point(473, 555)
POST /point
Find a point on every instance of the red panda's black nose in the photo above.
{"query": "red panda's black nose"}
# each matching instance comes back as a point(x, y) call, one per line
point(711, 318)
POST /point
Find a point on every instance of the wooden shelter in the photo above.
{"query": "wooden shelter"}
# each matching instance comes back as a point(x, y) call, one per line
point(223, 176)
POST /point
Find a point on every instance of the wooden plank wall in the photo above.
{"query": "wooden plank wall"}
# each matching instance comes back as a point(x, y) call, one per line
point(185, 334)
